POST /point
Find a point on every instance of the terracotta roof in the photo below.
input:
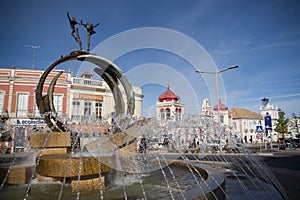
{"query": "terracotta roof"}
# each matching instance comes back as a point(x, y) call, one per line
point(168, 95)
point(241, 113)
point(222, 106)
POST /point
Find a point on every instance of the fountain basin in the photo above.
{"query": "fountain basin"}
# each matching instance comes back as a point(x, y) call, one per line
point(50, 139)
point(63, 165)
point(16, 175)
point(212, 188)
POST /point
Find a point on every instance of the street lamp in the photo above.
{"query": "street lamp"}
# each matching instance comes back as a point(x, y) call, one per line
point(217, 91)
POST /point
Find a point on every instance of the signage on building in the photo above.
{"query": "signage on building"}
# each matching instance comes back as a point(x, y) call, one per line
point(26, 122)
point(92, 97)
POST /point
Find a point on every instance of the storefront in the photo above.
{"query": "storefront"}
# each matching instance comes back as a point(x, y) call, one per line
point(20, 130)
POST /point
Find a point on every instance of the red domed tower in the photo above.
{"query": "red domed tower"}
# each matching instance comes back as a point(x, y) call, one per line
point(169, 106)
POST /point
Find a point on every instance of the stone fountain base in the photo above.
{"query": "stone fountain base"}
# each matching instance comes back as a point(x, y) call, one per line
point(94, 184)
point(16, 175)
point(56, 162)
point(63, 165)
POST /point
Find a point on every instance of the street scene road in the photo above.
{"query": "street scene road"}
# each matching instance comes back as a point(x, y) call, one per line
point(285, 164)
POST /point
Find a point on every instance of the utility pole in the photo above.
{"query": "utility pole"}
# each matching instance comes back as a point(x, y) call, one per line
point(216, 73)
point(34, 47)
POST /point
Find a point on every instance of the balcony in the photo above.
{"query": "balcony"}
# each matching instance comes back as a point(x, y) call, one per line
point(87, 82)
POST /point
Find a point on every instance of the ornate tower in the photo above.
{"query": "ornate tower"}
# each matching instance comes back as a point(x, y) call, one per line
point(169, 106)
point(206, 109)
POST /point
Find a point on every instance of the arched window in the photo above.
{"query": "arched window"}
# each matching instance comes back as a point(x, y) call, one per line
point(162, 114)
point(168, 113)
point(221, 119)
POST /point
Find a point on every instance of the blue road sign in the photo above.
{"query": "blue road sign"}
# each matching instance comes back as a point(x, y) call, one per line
point(268, 122)
point(259, 129)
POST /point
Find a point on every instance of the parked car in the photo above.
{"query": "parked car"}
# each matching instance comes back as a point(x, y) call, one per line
point(215, 143)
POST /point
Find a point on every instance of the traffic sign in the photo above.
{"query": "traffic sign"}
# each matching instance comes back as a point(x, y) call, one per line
point(259, 135)
point(259, 129)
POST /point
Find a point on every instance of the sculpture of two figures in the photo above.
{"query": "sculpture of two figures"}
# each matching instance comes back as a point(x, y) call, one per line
point(75, 34)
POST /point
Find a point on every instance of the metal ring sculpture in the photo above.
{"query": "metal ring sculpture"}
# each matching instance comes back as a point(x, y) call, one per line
point(110, 73)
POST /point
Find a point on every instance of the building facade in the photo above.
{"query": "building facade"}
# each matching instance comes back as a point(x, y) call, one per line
point(244, 123)
point(206, 109)
point(74, 98)
point(94, 97)
point(294, 126)
point(223, 112)
point(267, 109)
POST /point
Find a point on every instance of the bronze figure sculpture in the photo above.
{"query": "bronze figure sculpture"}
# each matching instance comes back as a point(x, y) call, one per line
point(75, 33)
point(73, 24)
point(110, 73)
point(90, 31)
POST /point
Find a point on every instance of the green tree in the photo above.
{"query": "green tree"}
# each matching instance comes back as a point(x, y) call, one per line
point(282, 124)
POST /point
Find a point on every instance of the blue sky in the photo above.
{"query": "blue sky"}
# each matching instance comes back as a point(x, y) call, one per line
point(262, 37)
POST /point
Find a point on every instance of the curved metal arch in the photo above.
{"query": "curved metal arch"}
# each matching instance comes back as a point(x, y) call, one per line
point(108, 71)
point(117, 94)
point(113, 70)
point(50, 91)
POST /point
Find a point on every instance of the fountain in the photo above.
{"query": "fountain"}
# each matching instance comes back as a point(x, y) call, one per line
point(103, 160)
point(106, 168)
point(106, 162)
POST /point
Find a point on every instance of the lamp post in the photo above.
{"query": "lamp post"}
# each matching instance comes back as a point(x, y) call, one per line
point(217, 91)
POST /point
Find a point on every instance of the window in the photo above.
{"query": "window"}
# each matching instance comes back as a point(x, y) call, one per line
point(221, 119)
point(75, 110)
point(162, 114)
point(22, 105)
point(98, 107)
point(87, 108)
point(87, 82)
point(76, 95)
point(179, 112)
point(168, 113)
point(57, 102)
point(234, 126)
point(1, 102)
point(176, 114)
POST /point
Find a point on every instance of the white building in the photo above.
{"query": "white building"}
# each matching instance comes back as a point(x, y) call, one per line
point(223, 112)
point(294, 126)
point(244, 124)
point(169, 106)
point(206, 109)
point(93, 97)
point(267, 109)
